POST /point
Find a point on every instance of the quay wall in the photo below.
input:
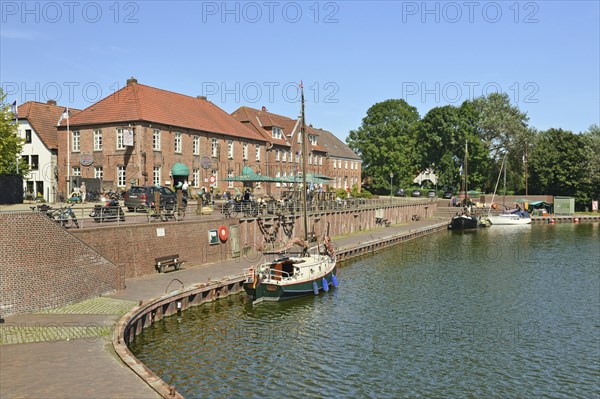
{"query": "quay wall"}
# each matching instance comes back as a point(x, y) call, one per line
point(42, 265)
point(133, 248)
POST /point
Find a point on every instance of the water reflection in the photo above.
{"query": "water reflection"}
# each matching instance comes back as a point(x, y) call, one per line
point(502, 312)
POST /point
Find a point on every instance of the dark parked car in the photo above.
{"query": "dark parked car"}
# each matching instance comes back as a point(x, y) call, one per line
point(415, 193)
point(400, 193)
point(448, 194)
point(431, 194)
point(142, 197)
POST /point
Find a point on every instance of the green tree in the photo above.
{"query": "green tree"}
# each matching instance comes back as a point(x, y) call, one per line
point(386, 143)
point(592, 142)
point(558, 165)
point(504, 130)
point(11, 144)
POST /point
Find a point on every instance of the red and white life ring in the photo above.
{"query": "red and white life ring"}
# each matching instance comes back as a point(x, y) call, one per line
point(223, 233)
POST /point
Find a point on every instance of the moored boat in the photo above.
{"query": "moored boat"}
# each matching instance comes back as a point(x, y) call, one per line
point(463, 222)
point(289, 276)
point(513, 218)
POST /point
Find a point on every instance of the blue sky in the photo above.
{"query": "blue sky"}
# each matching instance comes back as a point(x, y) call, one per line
point(349, 54)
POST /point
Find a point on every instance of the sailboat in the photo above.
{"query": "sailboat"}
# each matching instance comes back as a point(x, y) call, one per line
point(507, 217)
point(465, 220)
point(291, 275)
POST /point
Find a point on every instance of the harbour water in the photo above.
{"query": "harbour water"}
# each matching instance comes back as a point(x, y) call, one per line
point(501, 312)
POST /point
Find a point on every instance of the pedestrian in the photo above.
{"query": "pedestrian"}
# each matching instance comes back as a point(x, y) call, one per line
point(82, 191)
point(247, 195)
point(184, 188)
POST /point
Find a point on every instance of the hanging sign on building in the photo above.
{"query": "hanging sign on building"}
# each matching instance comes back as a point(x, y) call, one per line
point(86, 159)
point(128, 137)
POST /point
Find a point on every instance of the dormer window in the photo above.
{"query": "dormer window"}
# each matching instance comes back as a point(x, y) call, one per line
point(277, 133)
point(313, 139)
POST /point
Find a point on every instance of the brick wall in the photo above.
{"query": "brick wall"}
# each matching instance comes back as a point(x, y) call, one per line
point(135, 247)
point(42, 265)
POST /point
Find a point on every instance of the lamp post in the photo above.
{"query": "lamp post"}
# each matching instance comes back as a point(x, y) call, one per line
point(391, 186)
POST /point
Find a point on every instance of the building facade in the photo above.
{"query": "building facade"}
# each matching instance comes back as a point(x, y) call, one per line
point(345, 167)
point(37, 127)
point(138, 134)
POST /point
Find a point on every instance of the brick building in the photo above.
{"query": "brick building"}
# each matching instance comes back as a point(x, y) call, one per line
point(284, 150)
point(139, 133)
point(345, 167)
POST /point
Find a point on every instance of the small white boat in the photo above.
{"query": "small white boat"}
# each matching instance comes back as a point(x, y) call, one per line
point(517, 218)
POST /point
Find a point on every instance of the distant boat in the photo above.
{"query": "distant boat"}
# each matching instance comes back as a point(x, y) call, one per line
point(466, 220)
point(463, 222)
point(516, 217)
point(507, 217)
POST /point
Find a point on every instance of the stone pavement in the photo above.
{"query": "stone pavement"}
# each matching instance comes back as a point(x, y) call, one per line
point(67, 352)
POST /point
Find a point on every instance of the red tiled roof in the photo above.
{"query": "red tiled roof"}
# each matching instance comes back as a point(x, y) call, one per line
point(137, 102)
point(43, 118)
point(262, 121)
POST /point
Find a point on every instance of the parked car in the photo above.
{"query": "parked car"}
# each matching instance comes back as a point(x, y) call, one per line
point(431, 194)
point(400, 193)
point(142, 197)
point(448, 194)
point(415, 193)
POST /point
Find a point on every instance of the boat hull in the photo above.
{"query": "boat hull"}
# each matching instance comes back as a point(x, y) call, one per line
point(463, 223)
point(511, 220)
point(279, 292)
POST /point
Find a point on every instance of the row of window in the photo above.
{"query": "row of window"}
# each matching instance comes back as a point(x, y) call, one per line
point(337, 164)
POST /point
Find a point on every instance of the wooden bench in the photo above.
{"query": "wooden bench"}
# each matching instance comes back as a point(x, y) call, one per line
point(166, 261)
point(382, 222)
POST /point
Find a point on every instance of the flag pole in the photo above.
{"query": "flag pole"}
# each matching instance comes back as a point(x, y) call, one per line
point(304, 155)
point(68, 156)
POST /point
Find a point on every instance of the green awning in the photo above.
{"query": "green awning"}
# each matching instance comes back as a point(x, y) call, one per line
point(180, 169)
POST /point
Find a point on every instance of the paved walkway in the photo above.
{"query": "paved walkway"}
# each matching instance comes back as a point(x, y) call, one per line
point(67, 352)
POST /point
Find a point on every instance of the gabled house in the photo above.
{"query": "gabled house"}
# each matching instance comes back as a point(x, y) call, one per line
point(145, 135)
point(37, 127)
point(345, 167)
point(283, 157)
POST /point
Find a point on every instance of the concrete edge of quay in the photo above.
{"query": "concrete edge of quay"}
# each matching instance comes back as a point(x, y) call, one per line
point(146, 313)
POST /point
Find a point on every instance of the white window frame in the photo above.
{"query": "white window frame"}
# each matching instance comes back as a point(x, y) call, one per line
point(119, 140)
point(312, 139)
point(230, 183)
point(121, 176)
point(98, 172)
point(214, 147)
point(76, 171)
point(156, 175)
point(345, 164)
point(245, 151)
point(75, 141)
point(257, 152)
point(196, 145)
point(177, 143)
point(196, 177)
point(229, 149)
point(320, 160)
point(97, 140)
point(277, 155)
point(284, 157)
point(277, 175)
point(156, 140)
point(276, 132)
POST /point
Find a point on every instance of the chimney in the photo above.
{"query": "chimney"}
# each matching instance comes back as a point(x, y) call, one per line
point(131, 80)
point(201, 98)
point(51, 102)
point(264, 108)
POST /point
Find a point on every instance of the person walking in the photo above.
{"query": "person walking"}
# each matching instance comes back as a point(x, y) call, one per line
point(82, 191)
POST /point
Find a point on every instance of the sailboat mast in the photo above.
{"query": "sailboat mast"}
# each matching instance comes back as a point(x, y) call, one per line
point(304, 151)
point(504, 197)
point(466, 171)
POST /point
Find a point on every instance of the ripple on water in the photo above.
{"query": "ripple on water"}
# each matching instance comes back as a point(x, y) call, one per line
point(496, 313)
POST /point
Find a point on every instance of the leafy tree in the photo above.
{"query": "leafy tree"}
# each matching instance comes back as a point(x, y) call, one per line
point(592, 142)
point(386, 142)
point(558, 165)
point(11, 144)
point(503, 128)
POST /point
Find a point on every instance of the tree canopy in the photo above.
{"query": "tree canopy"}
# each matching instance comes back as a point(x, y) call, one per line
point(393, 138)
point(11, 144)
